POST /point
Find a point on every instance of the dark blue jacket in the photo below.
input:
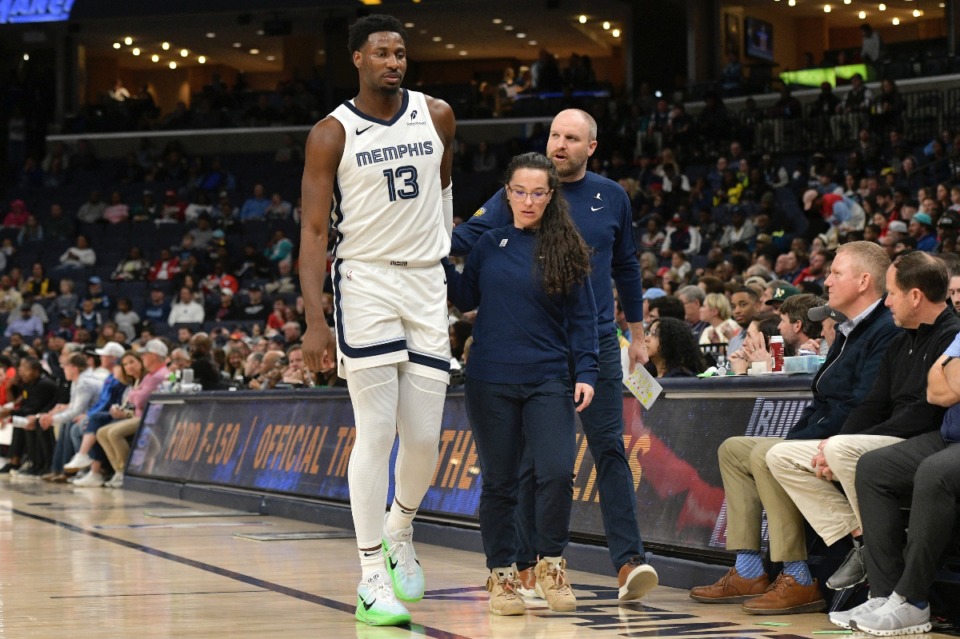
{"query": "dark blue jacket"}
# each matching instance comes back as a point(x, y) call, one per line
point(846, 376)
point(522, 335)
point(601, 210)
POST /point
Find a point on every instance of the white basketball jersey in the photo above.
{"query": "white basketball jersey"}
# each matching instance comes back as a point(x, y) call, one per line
point(387, 196)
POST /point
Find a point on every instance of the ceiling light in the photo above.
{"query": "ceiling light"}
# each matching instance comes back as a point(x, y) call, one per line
point(184, 53)
point(136, 51)
point(165, 46)
point(173, 65)
point(942, 5)
point(436, 38)
point(128, 41)
point(116, 45)
point(450, 45)
point(26, 57)
point(321, 52)
point(896, 21)
point(508, 27)
point(202, 59)
point(847, 1)
point(882, 7)
point(463, 52)
point(792, 3)
point(826, 8)
point(521, 35)
point(582, 19)
point(408, 25)
point(862, 15)
point(155, 58)
point(917, 13)
point(532, 43)
point(615, 33)
point(237, 45)
point(498, 20)
point(259, 31)
point(211, 34)
point(271, 58)
point(254, 51)
point(606, 25)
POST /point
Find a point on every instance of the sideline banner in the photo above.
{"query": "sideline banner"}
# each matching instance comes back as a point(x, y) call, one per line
point(299, 443)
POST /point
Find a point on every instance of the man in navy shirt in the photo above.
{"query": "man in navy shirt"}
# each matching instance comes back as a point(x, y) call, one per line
point(601, 210)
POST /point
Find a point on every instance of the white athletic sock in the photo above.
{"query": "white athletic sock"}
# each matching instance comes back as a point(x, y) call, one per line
point(373, 392)
point(420, 409)
point(399, 517)
point(371, 561)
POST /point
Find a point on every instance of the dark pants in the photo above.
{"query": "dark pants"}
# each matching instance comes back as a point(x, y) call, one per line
point(504, 418)
point(603, 425)
point(95, 422)
point(927, 468)
point(39, 445)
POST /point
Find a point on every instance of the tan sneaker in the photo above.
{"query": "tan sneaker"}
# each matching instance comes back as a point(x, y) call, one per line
point(552, 585)
point(504, 598)
point(528, 583)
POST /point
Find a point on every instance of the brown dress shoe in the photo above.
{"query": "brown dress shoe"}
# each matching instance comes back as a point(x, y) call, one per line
point(732, 588)
point(786, 597)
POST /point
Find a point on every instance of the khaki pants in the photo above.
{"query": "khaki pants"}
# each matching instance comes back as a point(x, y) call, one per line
point(113, 439)
point(750, 488)
point(833, 513)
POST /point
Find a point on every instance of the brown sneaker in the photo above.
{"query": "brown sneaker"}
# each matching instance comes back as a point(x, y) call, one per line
point(732, 588)
point(552, 585)
point(786, 597)
point(636, 579)
point(504, 599)
point(528, 583)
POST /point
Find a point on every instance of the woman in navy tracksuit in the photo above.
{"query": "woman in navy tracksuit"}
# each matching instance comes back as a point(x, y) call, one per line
point(536, 314)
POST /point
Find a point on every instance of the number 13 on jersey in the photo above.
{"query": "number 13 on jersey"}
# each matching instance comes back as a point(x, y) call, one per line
point(409, 188)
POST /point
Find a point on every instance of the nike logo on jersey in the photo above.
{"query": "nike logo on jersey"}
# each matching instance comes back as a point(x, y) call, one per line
point(368, 606)
point(595, 208)
point(362, 131)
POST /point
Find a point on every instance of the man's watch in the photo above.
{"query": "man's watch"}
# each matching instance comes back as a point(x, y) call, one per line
point(949, 359)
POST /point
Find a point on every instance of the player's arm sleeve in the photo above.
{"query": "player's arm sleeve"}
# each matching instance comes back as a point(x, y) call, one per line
point(492, 215)
point(626, 268)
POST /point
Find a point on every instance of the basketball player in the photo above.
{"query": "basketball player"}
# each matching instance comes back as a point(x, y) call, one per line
point(601, 210)
point(383, 162)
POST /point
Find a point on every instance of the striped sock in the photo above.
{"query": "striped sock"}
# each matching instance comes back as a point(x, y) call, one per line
point(799, 571)
point(749, 564)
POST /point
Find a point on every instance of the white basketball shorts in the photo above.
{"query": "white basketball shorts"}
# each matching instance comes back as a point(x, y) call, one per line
point(391, 314)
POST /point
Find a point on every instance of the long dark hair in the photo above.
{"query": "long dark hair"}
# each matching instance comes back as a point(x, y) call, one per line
point(678, 349)
point(564, 257)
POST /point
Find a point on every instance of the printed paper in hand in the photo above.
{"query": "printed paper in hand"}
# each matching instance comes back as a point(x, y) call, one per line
point(643, 386)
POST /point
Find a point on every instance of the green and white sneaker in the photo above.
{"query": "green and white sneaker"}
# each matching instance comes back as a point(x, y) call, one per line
point(402, 564)
point(377, 605)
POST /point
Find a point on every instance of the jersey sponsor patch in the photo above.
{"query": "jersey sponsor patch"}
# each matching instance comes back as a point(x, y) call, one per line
point(503, 242)
point(479, 212)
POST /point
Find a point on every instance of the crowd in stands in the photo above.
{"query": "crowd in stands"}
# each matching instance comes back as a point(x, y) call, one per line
point(201, 252)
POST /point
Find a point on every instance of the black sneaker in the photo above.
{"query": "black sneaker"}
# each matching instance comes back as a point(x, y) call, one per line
point(8, 467)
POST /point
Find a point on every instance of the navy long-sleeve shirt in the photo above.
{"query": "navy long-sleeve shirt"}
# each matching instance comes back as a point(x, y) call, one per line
point(522, 335)
point(601, 210)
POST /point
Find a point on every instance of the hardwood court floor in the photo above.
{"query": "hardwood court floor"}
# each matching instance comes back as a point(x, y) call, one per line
point(89, 563)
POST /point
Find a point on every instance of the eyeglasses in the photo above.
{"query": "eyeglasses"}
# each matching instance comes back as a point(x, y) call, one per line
point(518, 195)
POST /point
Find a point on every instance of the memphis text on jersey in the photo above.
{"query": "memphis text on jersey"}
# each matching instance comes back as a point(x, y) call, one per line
point(389, 153)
